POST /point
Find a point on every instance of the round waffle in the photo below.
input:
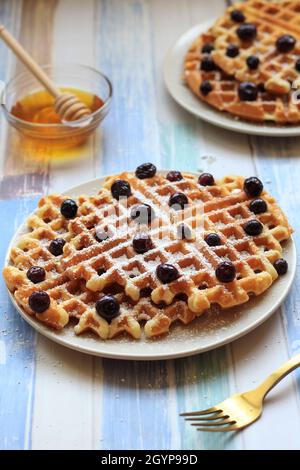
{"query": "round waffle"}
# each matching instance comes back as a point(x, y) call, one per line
point(88, 269)
point(276, 70)
point(274, 75)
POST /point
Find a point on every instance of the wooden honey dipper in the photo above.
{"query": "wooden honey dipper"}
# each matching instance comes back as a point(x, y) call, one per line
point(67, 105)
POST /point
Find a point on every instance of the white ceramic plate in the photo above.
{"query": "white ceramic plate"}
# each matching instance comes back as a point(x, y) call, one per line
point(207, 332)
point(173, 68)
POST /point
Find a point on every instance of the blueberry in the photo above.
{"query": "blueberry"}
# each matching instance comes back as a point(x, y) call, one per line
point(208, 65)
point(178, 200)
point(253, 186)
point(174, 176)
point(69, 209)
point(142, 214)
point(206, 179)
point(108, 307)
point(146, 292)
point(281, 266)
point(167, 273)
point(213, 239)
point(297, 65)
point(252, 62)
point(39, 302)
point(184, 232)
point(226, 271)
point(142, 243)
point(253, 227)
point(205, 87)
point(101, 271)
point(258, 206)
point(247, 32)
point(101, 235)
point(248, 91)
point(120, 188)
point(285, 43)
point(232, 50)
point(207, 48)
point(146, 170)
point(237, 16)
point(36, 274)
point(56, 246)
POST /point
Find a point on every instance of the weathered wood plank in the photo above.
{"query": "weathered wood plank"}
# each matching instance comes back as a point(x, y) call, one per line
point(17, 346)
point(278, 163)
point(74, 24)
point(73, 421)
point(35, 23)
point(131, 137)
point(63, 415)
point(170, 141)
point(202, 382)
point(123, 37)
point(135, 406)
point(19, 185)
point(223, 152)
point(9, 14)
point(17, 339)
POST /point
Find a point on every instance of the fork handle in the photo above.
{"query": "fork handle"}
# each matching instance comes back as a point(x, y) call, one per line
point(278, 375)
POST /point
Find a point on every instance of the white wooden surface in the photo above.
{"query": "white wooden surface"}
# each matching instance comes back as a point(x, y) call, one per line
point(72, 391)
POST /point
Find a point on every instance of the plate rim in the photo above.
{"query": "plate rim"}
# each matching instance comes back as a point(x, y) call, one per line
point(209, 114)
point(54, 335)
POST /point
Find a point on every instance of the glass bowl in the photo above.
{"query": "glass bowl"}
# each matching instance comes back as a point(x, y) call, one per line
point(65, 76)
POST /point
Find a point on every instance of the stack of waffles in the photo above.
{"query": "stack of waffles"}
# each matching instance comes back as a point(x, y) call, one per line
point(91, 267)
point(248, 61)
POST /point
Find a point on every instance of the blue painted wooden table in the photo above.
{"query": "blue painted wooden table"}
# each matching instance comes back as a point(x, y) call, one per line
point(53, 398)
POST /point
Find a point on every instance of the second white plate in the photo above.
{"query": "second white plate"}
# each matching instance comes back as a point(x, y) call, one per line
point(173, 68)
point(210, 331)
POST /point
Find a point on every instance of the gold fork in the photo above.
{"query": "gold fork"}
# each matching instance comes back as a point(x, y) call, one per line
point(241, 409)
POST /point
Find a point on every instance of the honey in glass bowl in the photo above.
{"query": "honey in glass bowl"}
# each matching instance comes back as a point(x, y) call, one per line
point(30, 109)
point(38, 107)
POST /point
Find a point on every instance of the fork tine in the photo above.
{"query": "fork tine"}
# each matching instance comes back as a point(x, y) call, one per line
point(215, 423)
point(234, 427)
point(214, 409)
point(214, 417)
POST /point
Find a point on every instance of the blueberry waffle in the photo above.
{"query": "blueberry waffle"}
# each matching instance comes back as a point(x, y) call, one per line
point(248, 60)
point(150, 248)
